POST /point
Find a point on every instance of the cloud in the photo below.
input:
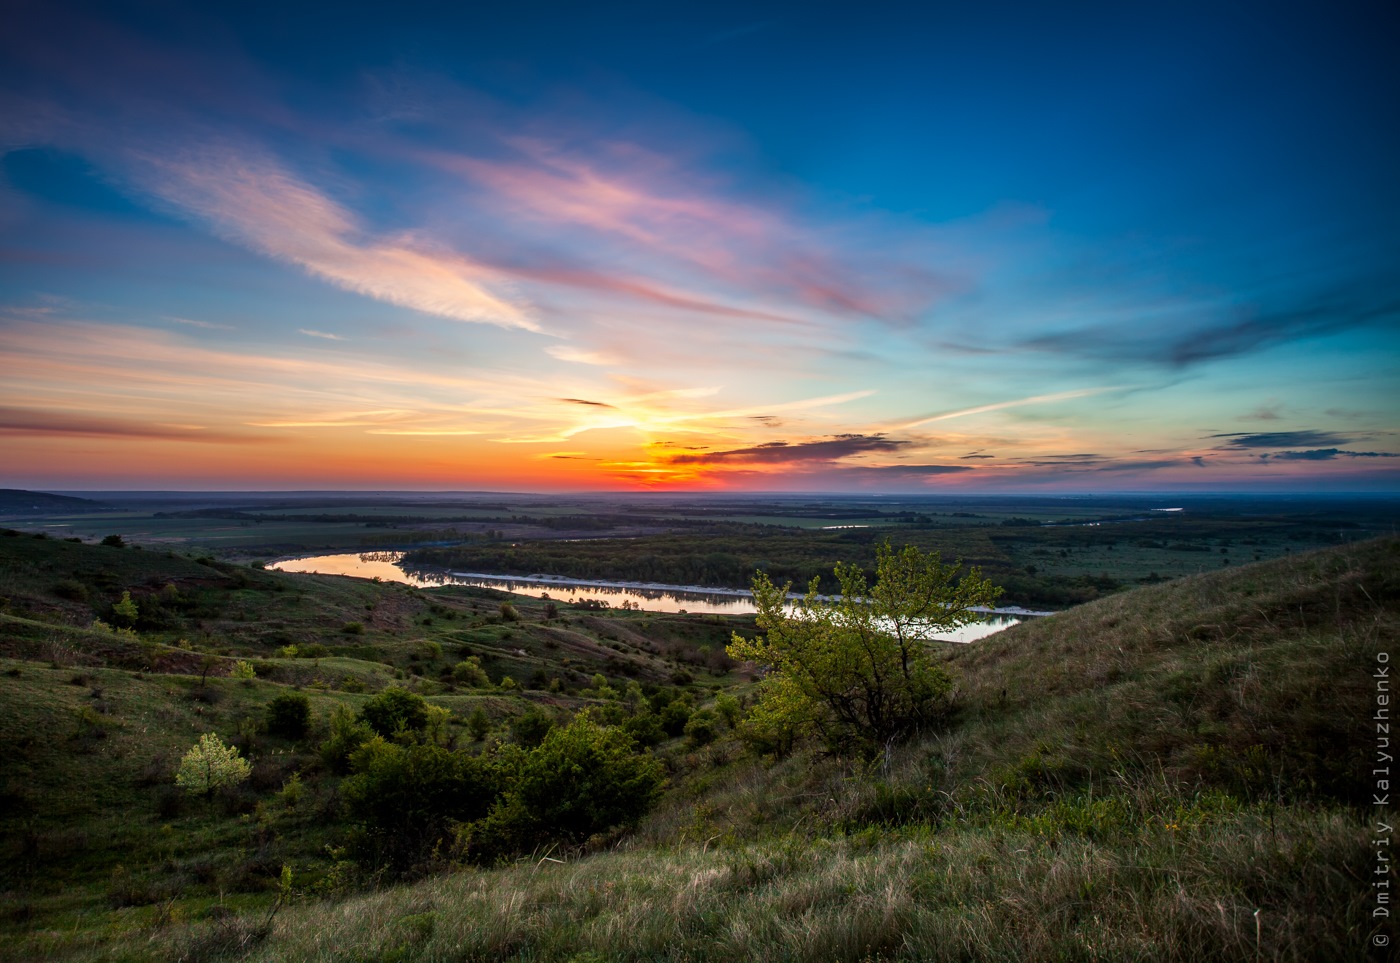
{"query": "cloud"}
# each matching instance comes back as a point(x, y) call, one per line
point(564, 352)
point(1281, 439)
point(780, 452)
point(250, 199)
point(627, 195)
point(319, 334)
point(585, 401)
point(913, 469)
point(965, 457)
point(206, 325)
point(1000, 405)
point(1175, 344)
point(1263, 413)
point(40, 422)
point(1324, 454)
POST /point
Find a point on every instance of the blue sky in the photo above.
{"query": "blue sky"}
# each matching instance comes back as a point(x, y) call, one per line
point(993, 247)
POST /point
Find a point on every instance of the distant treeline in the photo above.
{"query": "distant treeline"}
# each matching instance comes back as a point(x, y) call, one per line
point(727, 560)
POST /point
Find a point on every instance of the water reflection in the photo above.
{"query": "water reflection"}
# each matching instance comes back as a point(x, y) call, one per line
point(386, 567)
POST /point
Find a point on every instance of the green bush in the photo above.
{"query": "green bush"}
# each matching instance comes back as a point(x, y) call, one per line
point(469, 673)
point(348, 733)
point(673, 716)
point(582, 780)
point(701, 727)
point(530, 727)
point(478, 724)
point(405, 799)
point(72, 590)
point(115, 541)
point(395, 710)
point(645, 727)
point(289, 715)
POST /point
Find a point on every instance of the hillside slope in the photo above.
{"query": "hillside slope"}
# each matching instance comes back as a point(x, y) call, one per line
point(1176, 773)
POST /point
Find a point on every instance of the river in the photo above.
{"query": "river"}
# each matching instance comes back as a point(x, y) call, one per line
point(649, 597)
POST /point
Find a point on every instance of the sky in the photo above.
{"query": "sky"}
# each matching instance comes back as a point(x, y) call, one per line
point(864, 247)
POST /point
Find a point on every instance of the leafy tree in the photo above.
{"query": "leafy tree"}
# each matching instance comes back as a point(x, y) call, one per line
point(125, 612)
point(211, 765)
point(469, 672)
point(857, 670)
point(289, 715)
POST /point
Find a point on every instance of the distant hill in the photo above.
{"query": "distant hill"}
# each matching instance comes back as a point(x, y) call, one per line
point(16, 501)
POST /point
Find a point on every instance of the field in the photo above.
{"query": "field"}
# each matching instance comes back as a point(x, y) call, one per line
point(1176, 772)
point(1047, 552)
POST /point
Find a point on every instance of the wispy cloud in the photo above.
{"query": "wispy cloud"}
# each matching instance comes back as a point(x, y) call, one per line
point(319, 334)
point(1018, 403)
point(781, 452)
point(1325, 454)
point(40, 422)
point(1282, 439)
point(251, 199)
point(206, 325)
point(565, 352)
point(1183, 342)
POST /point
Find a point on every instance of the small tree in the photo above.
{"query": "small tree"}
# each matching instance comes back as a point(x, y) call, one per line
point(125, 612)
point(857, 669)
point(211, 765)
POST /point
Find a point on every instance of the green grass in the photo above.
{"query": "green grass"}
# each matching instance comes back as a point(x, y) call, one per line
point(1179, 772)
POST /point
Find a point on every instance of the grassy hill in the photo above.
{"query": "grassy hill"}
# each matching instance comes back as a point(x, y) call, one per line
point(1180, 772)
point(17, 502)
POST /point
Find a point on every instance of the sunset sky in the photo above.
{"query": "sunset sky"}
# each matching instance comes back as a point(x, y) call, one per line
point(871, 246)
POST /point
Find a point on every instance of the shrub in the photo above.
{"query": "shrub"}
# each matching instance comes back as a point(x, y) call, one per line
point(583, 779)
point(348, 733)
point(469, 672)
point(243, 669)
point(395, 711)
point(701, 728)
point(673, 716)
point(478, 724)
point(289, 715)
point(728, 707)
point(405, 799)
point(353, 628)
point(645, 728)
point(508, 612)
point(211, 765)
point(530, 727)
point(72, 590)
point(115, 541)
